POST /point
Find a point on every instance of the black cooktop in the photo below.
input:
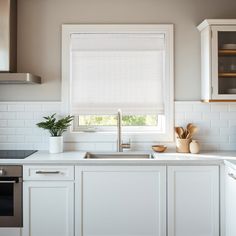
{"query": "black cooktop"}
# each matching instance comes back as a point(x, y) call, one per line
point(16, 154)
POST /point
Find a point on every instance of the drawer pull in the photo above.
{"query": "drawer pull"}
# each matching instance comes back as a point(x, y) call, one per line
point(41, 172)
point(232, 175)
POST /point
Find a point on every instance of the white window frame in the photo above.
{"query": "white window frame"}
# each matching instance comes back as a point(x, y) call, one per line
point(167, 29)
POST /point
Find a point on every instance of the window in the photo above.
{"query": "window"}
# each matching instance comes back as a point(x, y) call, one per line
point(126, 67)
point(130, 123)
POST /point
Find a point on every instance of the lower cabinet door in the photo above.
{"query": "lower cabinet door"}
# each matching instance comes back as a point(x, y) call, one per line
point(230, 202)
point(48, 208)
point(10, 232)
point(121, 201)
point(193, 201)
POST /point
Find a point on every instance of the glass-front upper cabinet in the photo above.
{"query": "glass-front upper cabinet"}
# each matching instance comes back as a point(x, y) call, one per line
point(218, 60)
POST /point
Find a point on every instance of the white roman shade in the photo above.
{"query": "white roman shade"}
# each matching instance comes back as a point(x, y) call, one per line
point(117, 71)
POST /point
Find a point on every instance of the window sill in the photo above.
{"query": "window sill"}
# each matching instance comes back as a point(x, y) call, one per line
point(152, 137)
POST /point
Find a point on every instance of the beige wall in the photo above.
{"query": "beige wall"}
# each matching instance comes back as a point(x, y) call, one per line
point(39, 38)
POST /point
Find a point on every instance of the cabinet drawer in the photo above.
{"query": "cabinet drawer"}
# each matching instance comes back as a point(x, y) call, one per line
point(48, 172)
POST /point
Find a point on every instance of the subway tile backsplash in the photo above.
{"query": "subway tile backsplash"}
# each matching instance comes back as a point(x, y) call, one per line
point(216, 122)
point(216, 129)
point(18, 128)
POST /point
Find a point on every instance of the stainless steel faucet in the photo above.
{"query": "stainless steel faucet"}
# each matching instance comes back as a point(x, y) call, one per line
point(119, 124)
point(120, 144)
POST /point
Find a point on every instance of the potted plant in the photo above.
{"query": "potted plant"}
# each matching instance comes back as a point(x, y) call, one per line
point(56, 128)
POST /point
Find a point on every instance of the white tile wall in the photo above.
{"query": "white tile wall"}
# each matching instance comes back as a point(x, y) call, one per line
point(216, 122)
point(18, 130)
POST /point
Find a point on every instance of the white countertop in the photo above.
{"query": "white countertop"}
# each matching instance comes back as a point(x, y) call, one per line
point(44, 157)
point(229, 155)
point(230, 163)
point(77, 158)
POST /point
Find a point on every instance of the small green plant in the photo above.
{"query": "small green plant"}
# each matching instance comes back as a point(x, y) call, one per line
point(56, 127)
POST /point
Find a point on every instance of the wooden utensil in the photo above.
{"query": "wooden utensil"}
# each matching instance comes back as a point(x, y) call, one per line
point(192, 130)
point(179, 131)
point(182, 132)
point(187, 136)
point(189, 125)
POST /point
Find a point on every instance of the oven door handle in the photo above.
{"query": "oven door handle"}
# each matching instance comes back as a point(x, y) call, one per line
point(8, 181)
point(42, 172)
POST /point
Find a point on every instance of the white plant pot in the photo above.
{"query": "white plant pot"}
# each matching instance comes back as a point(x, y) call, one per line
point(56, 144)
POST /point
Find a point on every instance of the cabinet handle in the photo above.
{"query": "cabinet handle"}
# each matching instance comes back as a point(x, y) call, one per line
point(232, 175)
point(8, 182)
point(41, 172)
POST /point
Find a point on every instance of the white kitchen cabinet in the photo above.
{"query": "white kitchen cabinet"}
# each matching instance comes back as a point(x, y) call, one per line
point(218, 60)
point(230, 202)
point(120, 200)
point(48, 204)
point(193, 201)
point(10, 232)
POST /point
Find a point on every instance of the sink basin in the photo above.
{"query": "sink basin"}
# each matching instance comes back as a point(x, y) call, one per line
point(118, 155)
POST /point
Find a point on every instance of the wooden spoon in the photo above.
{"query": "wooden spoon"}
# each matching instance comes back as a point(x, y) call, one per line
point(192, 130)
point(189, 125)
point(182, 132)
point(187, 134)
point(179, 132)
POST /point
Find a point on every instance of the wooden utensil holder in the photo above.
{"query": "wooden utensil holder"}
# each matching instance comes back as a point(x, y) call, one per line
point(182, 145)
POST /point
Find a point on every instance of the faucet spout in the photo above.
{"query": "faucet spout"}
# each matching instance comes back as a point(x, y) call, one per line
point(119, 138)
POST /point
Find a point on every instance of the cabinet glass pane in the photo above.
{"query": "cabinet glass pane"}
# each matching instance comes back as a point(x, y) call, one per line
point(227, 62)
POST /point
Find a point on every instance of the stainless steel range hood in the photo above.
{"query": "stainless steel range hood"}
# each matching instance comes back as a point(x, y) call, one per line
point(8, 47)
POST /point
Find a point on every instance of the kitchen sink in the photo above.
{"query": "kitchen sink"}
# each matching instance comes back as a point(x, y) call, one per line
point(118, 155)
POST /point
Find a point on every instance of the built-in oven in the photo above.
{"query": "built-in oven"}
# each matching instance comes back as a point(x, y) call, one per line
point(11, 196)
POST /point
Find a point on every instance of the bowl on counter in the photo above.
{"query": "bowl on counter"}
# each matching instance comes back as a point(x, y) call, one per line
point(159, 148)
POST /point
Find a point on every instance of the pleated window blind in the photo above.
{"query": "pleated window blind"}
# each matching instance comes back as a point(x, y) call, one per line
point(117, 71)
